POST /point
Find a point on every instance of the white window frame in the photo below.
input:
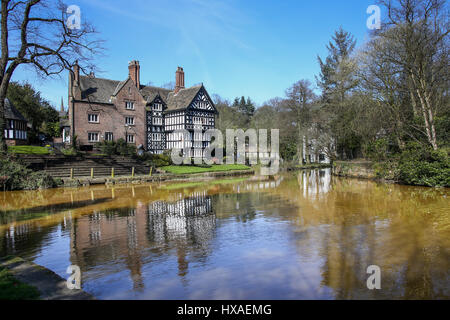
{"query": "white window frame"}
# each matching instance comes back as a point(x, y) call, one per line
point(129, 105)
point(132, 140)
point(109, 133)
point(93, 133)
point(96, 115)
point(129, 123)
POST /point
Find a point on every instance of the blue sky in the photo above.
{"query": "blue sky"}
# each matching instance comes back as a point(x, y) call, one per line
point(246, 47)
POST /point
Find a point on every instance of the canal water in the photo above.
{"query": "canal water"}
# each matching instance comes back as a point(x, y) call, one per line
point(304, 235)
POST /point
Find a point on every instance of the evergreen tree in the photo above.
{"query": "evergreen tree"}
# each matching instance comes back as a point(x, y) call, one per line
point(39, 113)
point(242, 105)
point(236, 103)
point(339, 51)
point(337, 79)
point(250, 108)
point(245, 109)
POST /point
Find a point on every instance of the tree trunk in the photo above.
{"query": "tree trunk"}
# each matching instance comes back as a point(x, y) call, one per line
point(431, 120)
point(300, 145)
point(307, 151)
point(427, 112)
point(3, 147)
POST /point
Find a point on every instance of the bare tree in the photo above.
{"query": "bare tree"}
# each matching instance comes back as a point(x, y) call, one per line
point(420, 30)
point(385, 82)
point(300, 96)
point(36, 33)
point(169, 85)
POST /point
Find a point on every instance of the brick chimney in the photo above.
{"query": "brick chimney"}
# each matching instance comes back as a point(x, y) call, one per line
point(179, 80)
point(62, 105)
point(76, 72)
point(134, 72)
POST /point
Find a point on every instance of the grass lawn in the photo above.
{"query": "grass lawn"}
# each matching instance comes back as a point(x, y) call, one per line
point(214, 168)
point(12, 289)
point(28, 150)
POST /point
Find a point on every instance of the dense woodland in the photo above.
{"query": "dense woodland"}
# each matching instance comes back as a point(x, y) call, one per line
point(385, 100)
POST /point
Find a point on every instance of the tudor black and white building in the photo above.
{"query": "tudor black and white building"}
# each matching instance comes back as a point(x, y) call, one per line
point(16, 125)
point(149, 117)
point(191, 110)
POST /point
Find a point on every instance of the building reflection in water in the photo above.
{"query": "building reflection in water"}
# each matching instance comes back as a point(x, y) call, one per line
point(300, 235)
point(134, 235)
point(314, 182)
point(188, 220)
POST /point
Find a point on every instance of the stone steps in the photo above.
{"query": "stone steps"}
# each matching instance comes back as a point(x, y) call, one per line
point(60, 167)
point(64, 172)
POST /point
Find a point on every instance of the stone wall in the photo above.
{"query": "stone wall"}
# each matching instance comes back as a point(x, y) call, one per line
point(354, 169)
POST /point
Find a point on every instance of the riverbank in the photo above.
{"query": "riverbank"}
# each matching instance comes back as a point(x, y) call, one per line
point(45, 172)
point(378, 171)
point(310, 166)
point(87, 181)
point(36, 282)
point(13, 289)
point(355, 169)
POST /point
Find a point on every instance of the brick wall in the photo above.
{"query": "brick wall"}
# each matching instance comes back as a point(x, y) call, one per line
point(112, 117)
point(15, 142)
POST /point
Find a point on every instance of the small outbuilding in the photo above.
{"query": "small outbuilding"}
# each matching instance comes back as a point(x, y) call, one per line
point(16, 125)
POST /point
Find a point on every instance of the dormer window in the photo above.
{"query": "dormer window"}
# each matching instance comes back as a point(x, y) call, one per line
point(129, 105)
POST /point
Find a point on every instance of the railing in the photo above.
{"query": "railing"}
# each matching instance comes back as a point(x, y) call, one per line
point(100, 172)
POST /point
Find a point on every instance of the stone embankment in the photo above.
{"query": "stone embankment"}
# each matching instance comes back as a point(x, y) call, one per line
point(354, 169)
point(50, 285)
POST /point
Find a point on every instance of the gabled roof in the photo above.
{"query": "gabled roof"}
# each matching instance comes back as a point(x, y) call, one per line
point(11, 112)
point(98, 90)
point(182, 99)
point(120, 86)
point(150, 93)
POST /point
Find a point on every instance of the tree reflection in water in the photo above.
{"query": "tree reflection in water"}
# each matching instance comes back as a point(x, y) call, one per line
point(293, 236)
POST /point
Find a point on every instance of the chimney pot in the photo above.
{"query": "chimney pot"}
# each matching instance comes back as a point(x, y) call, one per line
point(76, 72)
point(179, 79)
point(134, 72)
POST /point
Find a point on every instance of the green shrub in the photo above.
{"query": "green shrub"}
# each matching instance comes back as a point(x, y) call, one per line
point(107, 147)
point(119, 147)
point(417, 165)
point(125, 149)
point(388, 170)
point(424, 166)
point(203, 165)
point(377, 150)
point(15, 176)
point(155, 160)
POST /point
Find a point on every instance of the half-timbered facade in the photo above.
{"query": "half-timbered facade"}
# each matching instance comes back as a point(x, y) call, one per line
point(149, 117)
point(16, 125)
point(156, 136)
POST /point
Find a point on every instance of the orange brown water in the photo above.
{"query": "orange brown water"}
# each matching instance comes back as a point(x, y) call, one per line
point(301, 235)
